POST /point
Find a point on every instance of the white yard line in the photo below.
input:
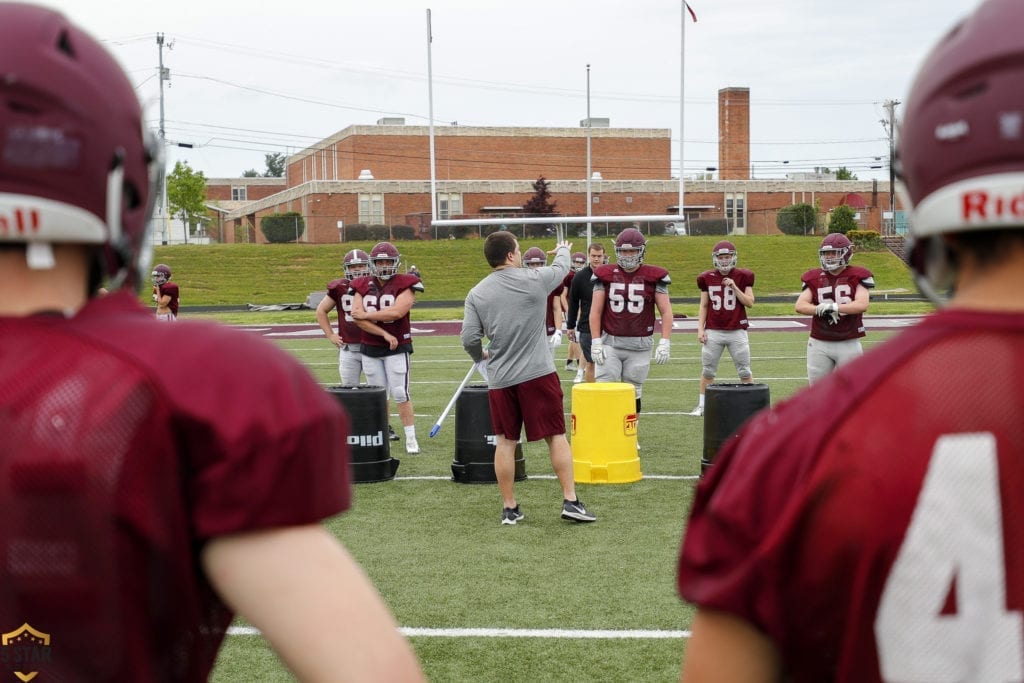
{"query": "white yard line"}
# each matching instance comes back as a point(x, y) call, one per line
point(603, 634)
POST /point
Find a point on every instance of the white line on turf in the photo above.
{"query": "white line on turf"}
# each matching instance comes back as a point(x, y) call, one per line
point(604, 634)
point(664, 477)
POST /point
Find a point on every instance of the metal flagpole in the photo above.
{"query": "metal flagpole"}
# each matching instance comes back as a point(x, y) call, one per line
point(430, 113)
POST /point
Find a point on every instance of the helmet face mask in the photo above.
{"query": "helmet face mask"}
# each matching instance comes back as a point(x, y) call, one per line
point(835, 252)
point(630, 247)
point(723, 257)
point(384, 260)
point(356, 264)
point(534, 258)
point(579, 261)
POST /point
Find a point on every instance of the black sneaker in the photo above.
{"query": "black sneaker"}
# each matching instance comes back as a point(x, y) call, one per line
point(392, 436)
point(575, 511)
point(511, 515)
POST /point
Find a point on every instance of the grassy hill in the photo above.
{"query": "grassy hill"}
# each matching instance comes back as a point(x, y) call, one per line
point(238, 274)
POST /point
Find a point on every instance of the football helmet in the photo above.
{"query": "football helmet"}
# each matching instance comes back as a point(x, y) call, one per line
point(534, 257)
point(384, 260)
point(835, 252)
point(960, 153)
point(723, 257)
point(579, 260)
point(161, 274)
point(356, 263)
point(630, 246)
point(74, 167)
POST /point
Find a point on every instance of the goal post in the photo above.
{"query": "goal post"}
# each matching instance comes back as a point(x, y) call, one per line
point(561, 223)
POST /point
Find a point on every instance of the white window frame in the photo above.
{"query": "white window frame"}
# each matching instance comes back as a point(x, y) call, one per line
point(736, 210)
point(371, 209)
point(449, 204)
point(239, 193)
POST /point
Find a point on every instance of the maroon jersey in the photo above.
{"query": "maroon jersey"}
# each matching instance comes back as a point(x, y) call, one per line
point(629, 298)
point(347, 328)
point(378, 295)
point(127, 445)
point(725, 312)
point(873, 525)
point(840, 288)
point(170, 289)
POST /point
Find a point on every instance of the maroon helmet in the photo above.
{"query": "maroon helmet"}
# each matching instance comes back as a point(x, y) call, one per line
point(534, 257)
point(384, 260)
point(961, 146)
point(161, 274)
point(579, 260)
point(75, 163)
point(723, 257)
point(356, 263)
point(835, 252)
point(630, 246)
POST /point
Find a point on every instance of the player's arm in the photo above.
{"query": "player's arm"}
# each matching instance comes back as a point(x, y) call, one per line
point(726, 649)
point(804, 302)
point(472, 333)
point(596, 308)
point(556, 310)
point(359, 314)
point(664, 304)
point(323, 310)
point(702, 316)
point(396, 311)
point(312, 602)
point(745, 296)
point(859, 304)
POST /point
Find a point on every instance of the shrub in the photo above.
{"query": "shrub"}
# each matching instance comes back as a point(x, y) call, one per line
point(379, 233)
point(279, 228)
point(356, 232)
point(796, 219)
point(840, 219)
point(865, 240)
point(403, 232)
point(709, 226)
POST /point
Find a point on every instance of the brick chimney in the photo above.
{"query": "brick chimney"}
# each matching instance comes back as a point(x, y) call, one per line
point(734, 134)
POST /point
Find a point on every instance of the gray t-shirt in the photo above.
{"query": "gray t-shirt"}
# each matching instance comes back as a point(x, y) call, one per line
point(509, 308)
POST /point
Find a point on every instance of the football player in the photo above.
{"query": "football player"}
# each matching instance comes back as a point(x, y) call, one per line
point(355, 264)
point(870, 528)
point(836, 295)
point(622, 314)
point(726, 292)
point(165, 293)
point(380, 307)
point(156, 479)
point(579, 262)
point(580, 296)
point(534, 257)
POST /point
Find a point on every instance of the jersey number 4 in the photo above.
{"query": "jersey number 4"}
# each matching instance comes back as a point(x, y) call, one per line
point(955, 538)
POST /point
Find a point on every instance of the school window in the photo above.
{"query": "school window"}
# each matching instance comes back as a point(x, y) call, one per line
point(735, 211)
point(371, 209)
point(238, 193)
point(448, 205)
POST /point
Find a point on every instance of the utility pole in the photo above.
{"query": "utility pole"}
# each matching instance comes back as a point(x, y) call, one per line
point(165, 75)
point(890, 128)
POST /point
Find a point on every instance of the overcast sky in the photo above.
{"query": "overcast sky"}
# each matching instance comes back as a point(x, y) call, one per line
point(251, 78)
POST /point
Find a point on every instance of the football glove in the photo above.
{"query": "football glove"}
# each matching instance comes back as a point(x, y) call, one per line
point(828, 310)
point(556, 339)
point(597, 351)
point(661, 354)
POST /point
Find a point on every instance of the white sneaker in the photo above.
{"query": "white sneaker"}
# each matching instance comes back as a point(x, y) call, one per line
point(412, 447)
point(697, 412)
point(579, 377)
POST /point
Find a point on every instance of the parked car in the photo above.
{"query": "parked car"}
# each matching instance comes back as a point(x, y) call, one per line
point(677, 228)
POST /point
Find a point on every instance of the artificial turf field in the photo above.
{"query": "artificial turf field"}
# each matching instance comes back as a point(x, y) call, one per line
point(545, 600)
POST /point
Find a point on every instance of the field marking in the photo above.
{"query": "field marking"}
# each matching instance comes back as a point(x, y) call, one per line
point(602, 634)
point(438, 477)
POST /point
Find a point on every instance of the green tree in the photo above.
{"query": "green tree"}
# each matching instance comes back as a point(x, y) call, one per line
point(539, 204)
point(841, 220)
point(251, 173)
point(796, 219)
point(186, 193)
point(275, 165)
point(845, 174)
point(283, 227)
